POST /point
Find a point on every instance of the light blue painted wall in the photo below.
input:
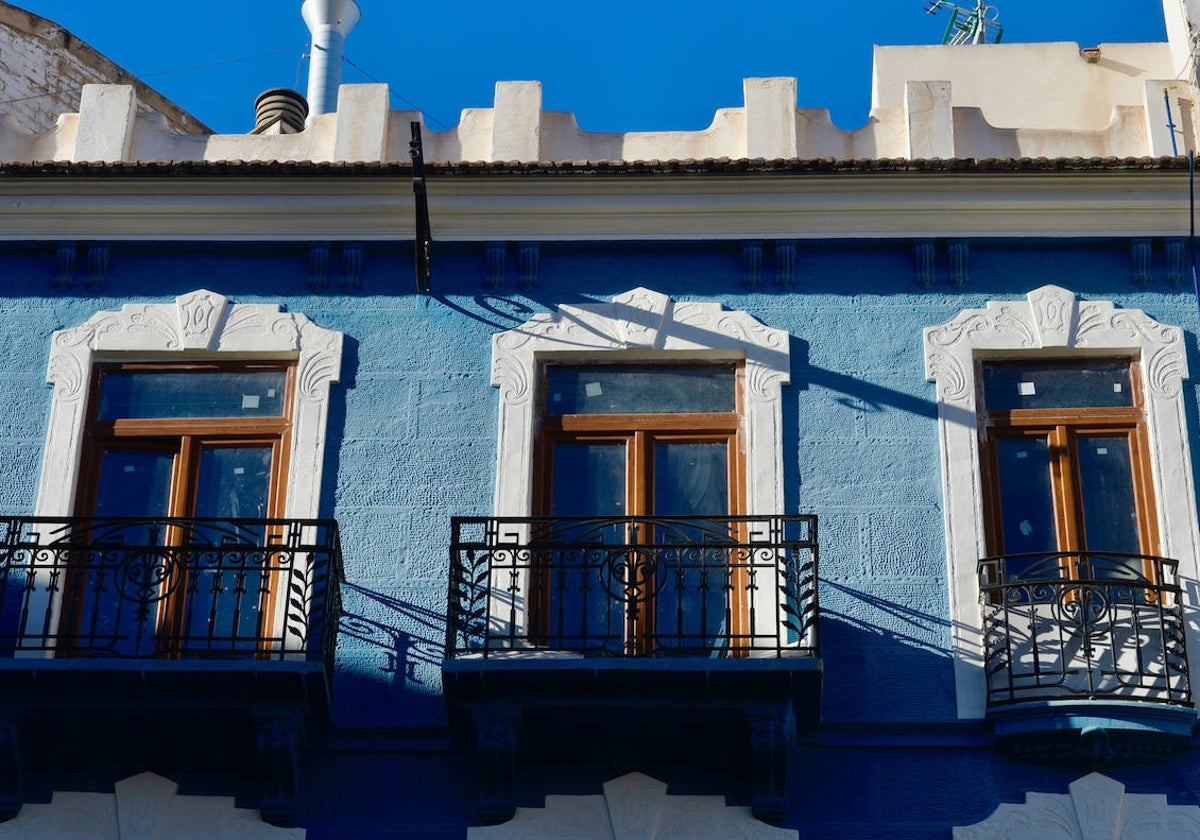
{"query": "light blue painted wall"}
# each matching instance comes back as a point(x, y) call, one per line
point(412, 441)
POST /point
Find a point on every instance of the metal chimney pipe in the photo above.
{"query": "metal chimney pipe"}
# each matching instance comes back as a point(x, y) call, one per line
point(329, 21)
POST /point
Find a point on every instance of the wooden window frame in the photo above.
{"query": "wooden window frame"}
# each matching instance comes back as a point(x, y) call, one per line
point(196, 327)
point(640, 432)
point(1062, 427)
point(187, 436)
point(640, 325)
point(1051, 322)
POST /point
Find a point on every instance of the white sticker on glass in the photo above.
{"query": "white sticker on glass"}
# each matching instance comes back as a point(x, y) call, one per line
point(270, 392)
point(1101, 450)
point(1026, 389)
point(239, 470)
point(250, 400)
point(1116, 387)
point(593, 389)
point(1022, 454)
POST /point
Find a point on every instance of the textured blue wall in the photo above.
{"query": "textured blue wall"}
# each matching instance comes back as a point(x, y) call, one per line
point(412, 441)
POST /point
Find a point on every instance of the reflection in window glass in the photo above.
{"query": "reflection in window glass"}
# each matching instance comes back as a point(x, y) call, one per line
point(1026, 499)
point(234, 482)
point(134, 482)
point(1106, 487)
point(1087, 384)
point(648, 389)
point(153, 395)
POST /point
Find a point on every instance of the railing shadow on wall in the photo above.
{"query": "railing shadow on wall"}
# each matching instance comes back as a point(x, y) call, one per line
point(389, 655)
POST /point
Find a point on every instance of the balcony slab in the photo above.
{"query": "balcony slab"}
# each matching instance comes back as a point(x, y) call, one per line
point(1092, 731)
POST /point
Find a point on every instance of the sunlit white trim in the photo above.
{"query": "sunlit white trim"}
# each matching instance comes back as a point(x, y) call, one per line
point(1051, 323)
point(200, 325)
point(642, 325)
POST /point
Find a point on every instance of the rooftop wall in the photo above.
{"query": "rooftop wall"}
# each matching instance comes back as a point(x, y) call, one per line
point(987, 101)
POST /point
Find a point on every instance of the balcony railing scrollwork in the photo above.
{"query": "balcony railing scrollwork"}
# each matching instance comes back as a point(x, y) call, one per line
point(712, 587)
point(1083, 625)
point(169, 588)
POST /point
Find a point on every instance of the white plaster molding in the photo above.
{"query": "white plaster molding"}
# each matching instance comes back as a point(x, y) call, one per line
point(633, 807)
point(641, 325)
point(1051, 322)
point(1096, 807)
point(143, 806)
point(198, 325)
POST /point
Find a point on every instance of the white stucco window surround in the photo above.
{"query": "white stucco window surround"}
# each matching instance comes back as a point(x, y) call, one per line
point(198, 326)
point(641, 325)
point(1051, 323)
point(145, 805)
point(633, 807)
point(1094, 806)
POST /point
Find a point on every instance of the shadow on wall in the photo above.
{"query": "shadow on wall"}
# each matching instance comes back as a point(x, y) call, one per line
point(335, 428)
point(386, 676)
point(500, 313)
point(884, 659)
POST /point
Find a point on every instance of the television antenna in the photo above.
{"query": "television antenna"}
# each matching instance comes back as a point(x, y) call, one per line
point(980, 25)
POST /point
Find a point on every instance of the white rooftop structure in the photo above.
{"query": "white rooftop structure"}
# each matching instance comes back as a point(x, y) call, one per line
point(1009, 100)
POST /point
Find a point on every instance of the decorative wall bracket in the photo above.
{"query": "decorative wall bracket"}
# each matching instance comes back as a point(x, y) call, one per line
point(525, 263)
point(497, 736)
point(281, 741)
point(776, 258)
point(325, 257)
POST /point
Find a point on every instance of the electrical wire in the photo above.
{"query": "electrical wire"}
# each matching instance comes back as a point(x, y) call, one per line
point(395, 95)
point(76, 89)
point(219, 63)
point(210, 65)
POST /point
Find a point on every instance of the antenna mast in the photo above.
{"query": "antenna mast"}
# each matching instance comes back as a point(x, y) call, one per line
point(980, 25)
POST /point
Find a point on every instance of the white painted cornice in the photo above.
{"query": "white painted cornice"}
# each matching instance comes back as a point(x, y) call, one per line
point(532, 207)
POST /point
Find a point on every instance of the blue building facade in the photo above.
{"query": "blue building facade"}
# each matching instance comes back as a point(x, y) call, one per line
point(515, 481)
point(881, 704)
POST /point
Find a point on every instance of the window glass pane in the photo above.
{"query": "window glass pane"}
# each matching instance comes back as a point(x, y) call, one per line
point(651, 389)
point(585, 607)
point(589, 480)
point(134, 483)
point(150, 395)
point(691, 610)
point(690, 478)
point(1086, 384)
point(118, 588)
point(226, 587)
point(1106, 487)
point(234, 482)
point(1026, 502)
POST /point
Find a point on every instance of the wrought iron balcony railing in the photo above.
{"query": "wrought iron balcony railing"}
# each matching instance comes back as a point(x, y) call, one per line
point(1083, 625)
point(169, 588)
point(633, 586)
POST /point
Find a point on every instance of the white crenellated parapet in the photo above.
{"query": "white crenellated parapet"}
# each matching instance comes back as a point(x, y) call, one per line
point(988, 101)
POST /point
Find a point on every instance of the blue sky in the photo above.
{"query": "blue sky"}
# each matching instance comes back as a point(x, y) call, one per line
point(666, 65)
